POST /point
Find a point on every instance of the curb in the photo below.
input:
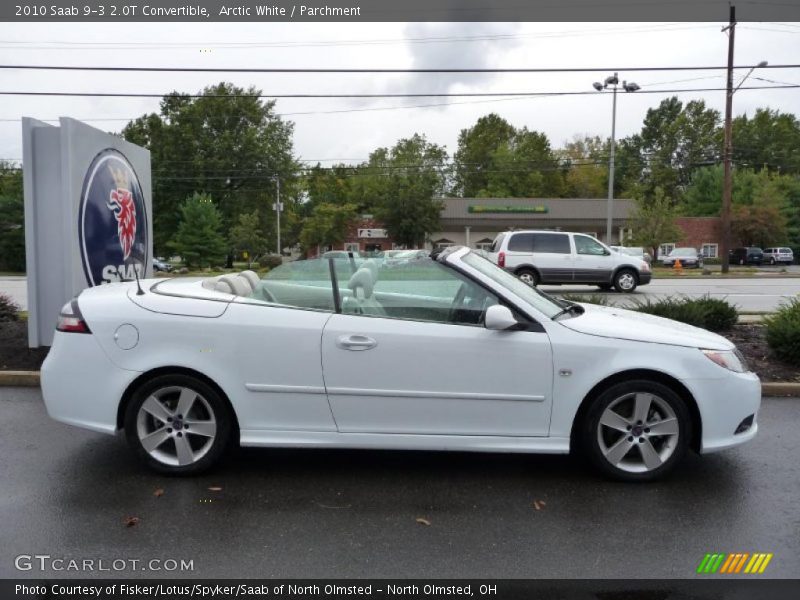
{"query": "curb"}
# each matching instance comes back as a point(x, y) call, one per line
point(31, 379)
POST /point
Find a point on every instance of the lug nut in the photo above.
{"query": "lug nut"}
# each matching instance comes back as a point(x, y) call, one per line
point(169, 429)
point(169, 419)
point(641, 440)
point(629, 427)
point(630, 439)
point(647, 430)
point(180, 434)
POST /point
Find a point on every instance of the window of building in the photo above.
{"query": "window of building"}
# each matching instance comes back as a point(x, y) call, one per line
point(665, 249)
point(552, 243)
point(442, 243)
point(710, 250)
point(351, 247)
point(484, 244)
point(398, 247)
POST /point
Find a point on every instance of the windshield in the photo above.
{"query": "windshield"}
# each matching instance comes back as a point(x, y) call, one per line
point(543, 302)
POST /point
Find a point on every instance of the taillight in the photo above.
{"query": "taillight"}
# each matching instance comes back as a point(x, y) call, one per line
point(70, 319)
point(501, 259)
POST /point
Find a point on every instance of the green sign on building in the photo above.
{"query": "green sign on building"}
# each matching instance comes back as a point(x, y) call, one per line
point(495, 209)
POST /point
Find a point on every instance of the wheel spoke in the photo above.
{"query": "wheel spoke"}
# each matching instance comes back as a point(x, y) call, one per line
point(618, 451)
point(615, 421)
point(153, 440)
point(184, 450)
point(642, 406)
point(185, 401)
point(665, 427)
point(154, 407)
point(649, 455)
point(205, 428)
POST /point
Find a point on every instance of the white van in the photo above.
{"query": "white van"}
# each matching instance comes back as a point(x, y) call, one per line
point(560, 257)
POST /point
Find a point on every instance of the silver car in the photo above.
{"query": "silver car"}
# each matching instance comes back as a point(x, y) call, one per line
point(778, 255)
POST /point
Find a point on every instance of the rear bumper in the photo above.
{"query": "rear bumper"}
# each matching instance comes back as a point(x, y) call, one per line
point(724, 404)
point(80, 385)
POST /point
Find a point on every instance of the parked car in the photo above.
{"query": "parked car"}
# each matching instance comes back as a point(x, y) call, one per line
point(778, 255)
point(689, 257)
point(448, 353)
point(556, 257)
point(161, 266)
point(636, 251)
point(396, 258)
point(748, 255)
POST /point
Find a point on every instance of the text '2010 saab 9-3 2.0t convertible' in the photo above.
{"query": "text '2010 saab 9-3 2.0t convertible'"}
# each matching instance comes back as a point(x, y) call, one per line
point(443, 352)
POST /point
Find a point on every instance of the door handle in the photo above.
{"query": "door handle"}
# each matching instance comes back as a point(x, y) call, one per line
point(355, 342)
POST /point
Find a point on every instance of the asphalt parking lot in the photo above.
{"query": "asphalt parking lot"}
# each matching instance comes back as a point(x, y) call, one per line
point(305, 513)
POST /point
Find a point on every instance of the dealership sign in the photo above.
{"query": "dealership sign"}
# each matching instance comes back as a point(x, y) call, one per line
point(492, 209)
point(88, 218)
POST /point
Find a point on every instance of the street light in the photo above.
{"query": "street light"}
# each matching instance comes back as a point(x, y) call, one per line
point(612, 81)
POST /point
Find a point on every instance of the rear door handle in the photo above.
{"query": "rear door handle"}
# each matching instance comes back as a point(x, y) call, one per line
point(355, 341)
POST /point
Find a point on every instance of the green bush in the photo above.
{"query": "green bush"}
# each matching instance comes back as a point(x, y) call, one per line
point(586, 298)
point(783, 331)
point(706, 312)
point(270, 261)
point(9, 310)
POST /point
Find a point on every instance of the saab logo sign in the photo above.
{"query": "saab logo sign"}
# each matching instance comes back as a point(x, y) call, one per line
point(112, 221)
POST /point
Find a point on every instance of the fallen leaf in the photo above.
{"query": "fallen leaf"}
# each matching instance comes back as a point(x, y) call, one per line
point(131, 521)
point(159, 492)
point(422, 521)
point(215, 488)
point(539, 504)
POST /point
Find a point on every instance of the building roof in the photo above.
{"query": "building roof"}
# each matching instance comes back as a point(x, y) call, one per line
point(541, 209)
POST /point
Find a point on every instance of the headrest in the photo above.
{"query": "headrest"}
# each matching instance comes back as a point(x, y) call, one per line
point(239, 285)
point(362, 279)
point(373, 266)
point(222, 286)
point(252, 277)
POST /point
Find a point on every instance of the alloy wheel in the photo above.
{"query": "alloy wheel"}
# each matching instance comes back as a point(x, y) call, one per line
point(176, 426)
point(638, 432)
point(626, 281)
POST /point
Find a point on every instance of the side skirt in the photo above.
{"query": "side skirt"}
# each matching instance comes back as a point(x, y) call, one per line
point(398, 441)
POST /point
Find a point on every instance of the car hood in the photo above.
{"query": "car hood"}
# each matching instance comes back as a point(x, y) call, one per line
point(619, 323)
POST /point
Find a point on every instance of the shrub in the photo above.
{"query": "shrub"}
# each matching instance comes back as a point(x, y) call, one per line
point(270, 261)
point(783, 331)
point(9, 310)
point(706, 312)
point(586, 298)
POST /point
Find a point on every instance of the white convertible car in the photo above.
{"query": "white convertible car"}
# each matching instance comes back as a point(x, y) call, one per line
point(447, 352)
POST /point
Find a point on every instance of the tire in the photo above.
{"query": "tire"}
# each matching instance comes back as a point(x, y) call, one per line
point(606, 287)
point(625, 281)
point(772, 261)
point(178, 447)
point(741, 261)
point(528, 276)
point(619, 454)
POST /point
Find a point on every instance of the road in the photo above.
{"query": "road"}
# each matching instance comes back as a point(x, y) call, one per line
point(756, 293)
point(310, 513)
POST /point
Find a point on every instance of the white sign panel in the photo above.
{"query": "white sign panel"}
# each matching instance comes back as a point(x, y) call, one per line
point(88, 215)
point(372, 233)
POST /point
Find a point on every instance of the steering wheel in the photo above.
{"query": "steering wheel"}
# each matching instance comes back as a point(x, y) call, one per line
point(461, 312)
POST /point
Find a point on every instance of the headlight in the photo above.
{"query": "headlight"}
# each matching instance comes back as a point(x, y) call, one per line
point(644, 266)
point(729, 359)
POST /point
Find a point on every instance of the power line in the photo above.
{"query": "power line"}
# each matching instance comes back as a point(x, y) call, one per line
point(384, 95)
point(370, 70)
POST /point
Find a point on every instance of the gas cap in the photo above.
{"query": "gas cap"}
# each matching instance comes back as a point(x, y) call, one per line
point(126, 336)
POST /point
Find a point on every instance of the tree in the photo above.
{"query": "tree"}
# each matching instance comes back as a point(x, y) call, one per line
point(402, 185)
point(246, 236)
point(476, 149)
point(763, 225)
point(770, 139)
point(12, 218)
point(228, 143)
point(328, 224)
point(653, 220)
point(199, 239)
point(585, 159)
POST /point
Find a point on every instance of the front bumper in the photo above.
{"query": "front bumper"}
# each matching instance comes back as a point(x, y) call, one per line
point(724, 404)
point(645, 277)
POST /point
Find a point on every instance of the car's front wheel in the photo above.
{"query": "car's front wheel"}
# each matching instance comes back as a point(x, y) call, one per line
point(178, 424)
point(625, 281)
point(636, 430)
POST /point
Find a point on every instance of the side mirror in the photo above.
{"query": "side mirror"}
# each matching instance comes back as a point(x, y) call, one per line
point(499, 318)
point(607, 252)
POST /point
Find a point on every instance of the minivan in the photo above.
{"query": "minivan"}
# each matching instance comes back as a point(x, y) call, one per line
point(562, 257)
point(776, 256)
point(746, 256)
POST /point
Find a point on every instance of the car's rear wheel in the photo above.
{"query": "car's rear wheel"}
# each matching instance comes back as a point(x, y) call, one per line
point(772, 261)
point(636, 430)
point(625, 281)
point(528, 276)
point(178, 424)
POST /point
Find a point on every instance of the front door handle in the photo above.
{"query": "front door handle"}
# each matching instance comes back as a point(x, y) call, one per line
point(355, 342)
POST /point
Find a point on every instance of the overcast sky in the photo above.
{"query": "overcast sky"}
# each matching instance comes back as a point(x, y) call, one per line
point(352, 135)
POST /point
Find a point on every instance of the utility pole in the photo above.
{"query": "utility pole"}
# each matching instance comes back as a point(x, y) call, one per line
point(727, 182)
point(610, 206)
point(278, 209)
